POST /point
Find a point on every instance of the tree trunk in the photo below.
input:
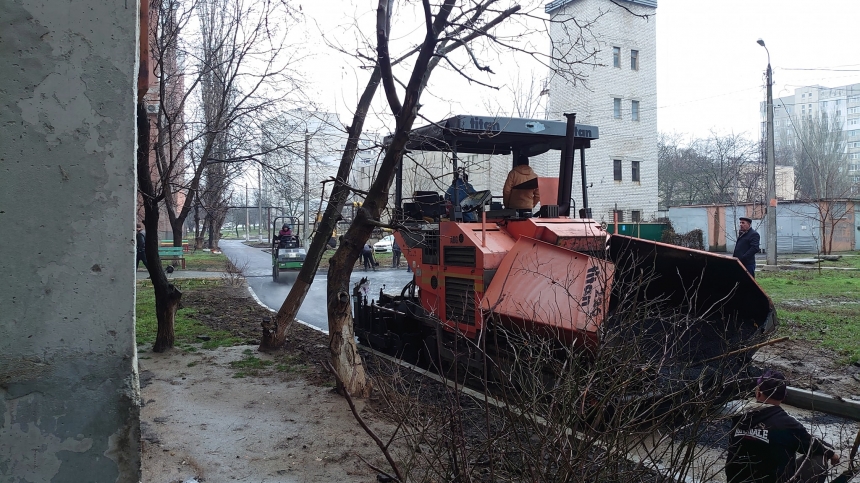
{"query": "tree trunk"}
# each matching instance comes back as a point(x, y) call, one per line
point(275, 332)
point(342, 347)
point(177, 234)
point(198, 235)
point(167, 296)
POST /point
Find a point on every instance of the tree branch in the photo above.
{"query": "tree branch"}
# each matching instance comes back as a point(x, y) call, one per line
point(382, 446)
point(384, 60)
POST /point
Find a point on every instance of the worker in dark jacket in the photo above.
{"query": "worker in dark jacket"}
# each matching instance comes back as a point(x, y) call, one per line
point(141, 247)
point(747, 245)
point(765, 441)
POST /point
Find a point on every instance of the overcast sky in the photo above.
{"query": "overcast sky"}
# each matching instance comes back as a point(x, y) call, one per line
point(710, 71)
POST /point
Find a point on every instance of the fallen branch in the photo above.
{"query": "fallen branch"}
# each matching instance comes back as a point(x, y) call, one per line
point(382, 446)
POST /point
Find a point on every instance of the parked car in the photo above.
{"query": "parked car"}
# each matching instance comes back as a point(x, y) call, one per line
point(384, 245)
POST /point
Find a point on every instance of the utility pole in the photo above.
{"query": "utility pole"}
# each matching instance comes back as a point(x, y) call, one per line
point(247, 217)
point(260, 202)
point(771, 168)
point(305, 235)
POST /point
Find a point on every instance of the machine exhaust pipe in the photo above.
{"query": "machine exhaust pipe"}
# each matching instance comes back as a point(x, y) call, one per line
point(565, 168)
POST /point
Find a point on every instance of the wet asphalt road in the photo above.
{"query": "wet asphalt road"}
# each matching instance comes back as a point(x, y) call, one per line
point(258, 270)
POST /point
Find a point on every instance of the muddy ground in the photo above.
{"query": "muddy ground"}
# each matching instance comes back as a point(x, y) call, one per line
point(235, 414)
point(220, 415)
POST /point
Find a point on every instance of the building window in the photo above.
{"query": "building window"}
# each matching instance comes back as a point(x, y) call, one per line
point(616, 57)
point(636, 216)
point(852, 122)
point(634, 173)
point(616, 169)
point(634, 60)
point(619, 215)
point(634, 110)
point(616, 108)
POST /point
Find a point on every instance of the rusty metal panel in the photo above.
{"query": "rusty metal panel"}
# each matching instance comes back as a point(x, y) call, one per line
point(556, 290)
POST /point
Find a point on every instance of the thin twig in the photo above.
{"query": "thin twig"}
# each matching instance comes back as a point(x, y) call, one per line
point(382, 446)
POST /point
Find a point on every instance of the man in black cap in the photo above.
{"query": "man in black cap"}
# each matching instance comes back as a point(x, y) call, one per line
point(747, 245)
point(765, 441)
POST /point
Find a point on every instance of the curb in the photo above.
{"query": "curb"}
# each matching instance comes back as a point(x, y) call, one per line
point(818, 401)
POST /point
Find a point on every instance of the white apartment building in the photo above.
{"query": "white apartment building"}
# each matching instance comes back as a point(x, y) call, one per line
point(619, 97)
point(841, 104)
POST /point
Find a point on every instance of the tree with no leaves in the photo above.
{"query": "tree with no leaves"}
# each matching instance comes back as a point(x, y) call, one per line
point(715, 169)
point(820, 159)
point(217, 79)
point(455, 32)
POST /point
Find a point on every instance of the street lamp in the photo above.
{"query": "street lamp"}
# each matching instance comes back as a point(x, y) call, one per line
point(771, 168)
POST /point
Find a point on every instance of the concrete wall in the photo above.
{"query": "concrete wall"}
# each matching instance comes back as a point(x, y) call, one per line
point(68, 386)
point(624, 138)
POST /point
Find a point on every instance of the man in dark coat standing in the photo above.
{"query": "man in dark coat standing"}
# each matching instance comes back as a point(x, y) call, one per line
point(141, 247)
point(747, 245)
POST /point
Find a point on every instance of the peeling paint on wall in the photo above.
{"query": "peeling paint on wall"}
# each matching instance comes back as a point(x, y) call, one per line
point(69, 392)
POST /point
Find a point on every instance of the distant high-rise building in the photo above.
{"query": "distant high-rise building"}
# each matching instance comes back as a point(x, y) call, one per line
point(841, 105)
point(618, 95)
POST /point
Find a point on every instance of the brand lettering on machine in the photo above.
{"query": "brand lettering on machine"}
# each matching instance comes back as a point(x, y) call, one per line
point(590, 277)
point(479, 124)
point(583, 133)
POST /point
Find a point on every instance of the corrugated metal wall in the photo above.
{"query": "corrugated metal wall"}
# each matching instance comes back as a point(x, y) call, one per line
point(798, 229)
point(688, 218)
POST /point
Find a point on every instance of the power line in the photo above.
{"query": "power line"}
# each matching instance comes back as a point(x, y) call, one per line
point(820, 69)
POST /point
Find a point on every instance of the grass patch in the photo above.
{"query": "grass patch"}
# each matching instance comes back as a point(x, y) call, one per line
point(185, 329)
point(822, 307)
point(205, 261)
point(290, 364)
point(250, 366)
point(251, 362)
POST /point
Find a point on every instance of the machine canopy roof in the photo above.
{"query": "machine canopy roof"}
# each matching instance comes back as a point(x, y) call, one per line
point(496, 135)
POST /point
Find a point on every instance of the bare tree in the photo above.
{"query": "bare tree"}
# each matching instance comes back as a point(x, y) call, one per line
point(304, 133)
point(820, 159)
point(222, 67)
point(727, 158)
point(454, 27)
point(716, 169)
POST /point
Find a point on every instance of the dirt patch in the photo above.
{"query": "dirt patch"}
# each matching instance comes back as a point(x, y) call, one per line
point(235, 414)
point(809, 366)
